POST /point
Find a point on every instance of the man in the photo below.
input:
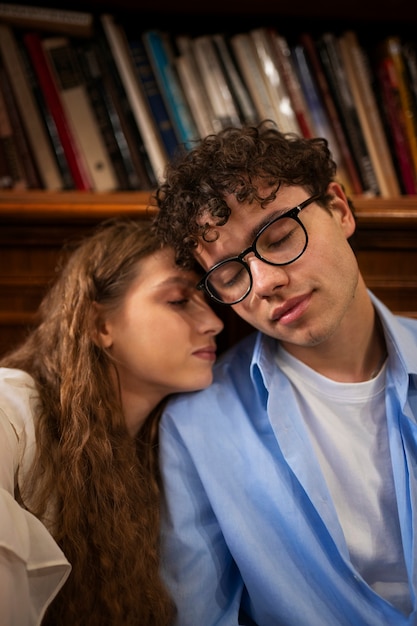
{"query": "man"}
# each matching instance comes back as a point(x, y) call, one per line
point(290, 483)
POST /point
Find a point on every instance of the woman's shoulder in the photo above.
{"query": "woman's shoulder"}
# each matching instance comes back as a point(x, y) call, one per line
point(18, 396)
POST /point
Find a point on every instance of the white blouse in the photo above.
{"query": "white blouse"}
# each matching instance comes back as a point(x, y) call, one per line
point(32, 566)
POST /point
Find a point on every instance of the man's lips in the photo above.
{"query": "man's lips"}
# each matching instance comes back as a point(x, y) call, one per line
point(291, 310)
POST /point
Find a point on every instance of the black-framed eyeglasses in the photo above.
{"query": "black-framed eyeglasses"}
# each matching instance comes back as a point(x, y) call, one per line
point(280, 242)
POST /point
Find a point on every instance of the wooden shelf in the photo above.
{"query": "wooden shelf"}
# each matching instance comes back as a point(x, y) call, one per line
point(60, 206)
point(35, 226)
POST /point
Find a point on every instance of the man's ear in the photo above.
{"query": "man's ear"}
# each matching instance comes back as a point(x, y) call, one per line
point(340, 204)
point(100, 329)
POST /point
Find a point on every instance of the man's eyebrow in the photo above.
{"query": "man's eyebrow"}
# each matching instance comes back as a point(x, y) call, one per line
point(267, 219)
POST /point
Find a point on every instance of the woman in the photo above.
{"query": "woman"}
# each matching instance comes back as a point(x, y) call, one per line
point(122, 328)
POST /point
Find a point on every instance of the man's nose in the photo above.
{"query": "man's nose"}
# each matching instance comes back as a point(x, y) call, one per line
point(266, 278)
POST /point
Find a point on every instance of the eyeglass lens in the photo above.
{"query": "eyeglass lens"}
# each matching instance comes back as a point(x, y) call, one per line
point(280, 243)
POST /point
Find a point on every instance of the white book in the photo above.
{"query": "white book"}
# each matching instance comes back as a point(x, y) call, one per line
point(78, 108)
point(245, 105)
point(245, 54)
point(29, 112)
point(143, 116)
point(195, 94)
point(285, 115)
point(213, 77)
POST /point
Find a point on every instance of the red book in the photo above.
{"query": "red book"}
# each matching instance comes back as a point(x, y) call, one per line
point(47, 83)
point(391, 102)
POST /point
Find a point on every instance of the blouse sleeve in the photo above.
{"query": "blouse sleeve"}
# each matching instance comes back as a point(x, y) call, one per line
point(32, 566)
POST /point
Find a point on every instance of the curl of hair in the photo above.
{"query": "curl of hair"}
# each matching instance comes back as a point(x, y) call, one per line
point(234, 161)
point(102, 482)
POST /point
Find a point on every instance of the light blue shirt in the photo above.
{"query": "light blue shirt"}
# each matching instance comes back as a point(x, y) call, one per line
point(248, 523)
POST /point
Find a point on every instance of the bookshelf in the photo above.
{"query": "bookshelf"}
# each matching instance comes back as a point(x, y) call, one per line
point(34, 225)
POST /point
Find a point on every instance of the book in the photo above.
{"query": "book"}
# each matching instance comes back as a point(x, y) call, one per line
point(393, 48)
point(284, 113)
point(32, 121)
point(307, 40)
point(129, 140)
point(239, 91)
point(73, 92)
point(248, 63)
point(329, 52)
point(42, 69)
point(322, 126)
point(409, 49)
point(162, 59)
point(6, 173)
point(395, 119)
point(76, 23)
point(152, 141)
point(89, 64)
point(194, 90)
point(215, 82)
point(25, 174)
point(289, 76)
point(49, 122)
point(360, 80)
point(146, 77)
point(12, 171)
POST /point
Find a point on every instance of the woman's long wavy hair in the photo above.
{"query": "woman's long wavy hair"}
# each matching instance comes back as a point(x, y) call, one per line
point(103, 484)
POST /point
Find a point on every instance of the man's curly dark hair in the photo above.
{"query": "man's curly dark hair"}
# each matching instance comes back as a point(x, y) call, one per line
point(234, 161)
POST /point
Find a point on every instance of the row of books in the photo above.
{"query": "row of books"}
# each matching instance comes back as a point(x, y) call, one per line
point(88, 103)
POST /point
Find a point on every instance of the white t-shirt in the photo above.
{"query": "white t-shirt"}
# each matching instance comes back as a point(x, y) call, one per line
point(348, 429)
point(32, 566)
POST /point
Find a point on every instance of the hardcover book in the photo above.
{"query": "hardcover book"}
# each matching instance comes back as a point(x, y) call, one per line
point(75, 159)
point(32, 121)
point(360, 80)
point(162, 60)
point(146, 77)
point(73, 92)
point(329, 52)
point(146, 124)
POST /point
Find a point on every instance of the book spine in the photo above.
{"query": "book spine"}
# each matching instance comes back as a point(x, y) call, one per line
point(290, 78)
point(360, 80)
point(243, 100)
point(68, 76)
point(328, 48)
point(215, 83)
point(318, 112)
point(195, 94)
point(146, 77)
point(76, 23)
point(138, 103)
point(33, 124)
point(246, 59)
point(284, 113)
point(308, 42)
point(50, 126)
point(12, 171)
point(406, 98)
point(30, 173)
point(391, 102)
point(163, 64)
point(52, 97)
point(129, 140)
point(95, 89)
